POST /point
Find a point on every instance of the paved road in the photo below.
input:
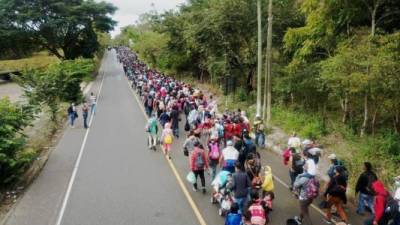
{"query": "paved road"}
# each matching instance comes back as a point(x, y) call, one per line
point(118, 180)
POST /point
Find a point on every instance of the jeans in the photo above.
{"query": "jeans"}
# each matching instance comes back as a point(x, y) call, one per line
point(260, 139)
point(176, 132)
point(93, 109)
point(292, 176)
point(241, 203)
point(365, 200)
point(203, 180)
point(71, 118)
point(85, 116)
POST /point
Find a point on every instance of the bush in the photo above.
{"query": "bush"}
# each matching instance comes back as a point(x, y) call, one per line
point(306, 125)
point(13, 159)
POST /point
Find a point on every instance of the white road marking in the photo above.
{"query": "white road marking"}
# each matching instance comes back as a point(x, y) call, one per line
point(76, 166)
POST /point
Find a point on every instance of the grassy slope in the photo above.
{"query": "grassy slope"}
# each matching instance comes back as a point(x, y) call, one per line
point(38, 60)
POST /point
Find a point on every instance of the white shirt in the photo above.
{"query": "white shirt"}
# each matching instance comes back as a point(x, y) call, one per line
point(93, 99)
point(230, 153)
point(311, 167)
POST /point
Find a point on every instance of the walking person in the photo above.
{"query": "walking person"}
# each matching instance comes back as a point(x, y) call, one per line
point(93, 103)
point(364, 189)
point(229, 157)
point(167, 139)
point(381, 195)
point(214, 154)
point(198, 164)
point(72, 114)
point(335, 195)
point(303, 185)
point(85, 113)
point(152, 129)
point(241, 186)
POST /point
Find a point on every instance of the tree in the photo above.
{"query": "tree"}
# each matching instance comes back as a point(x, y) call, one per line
point(56, 25)
point(58, 83)
point(14, 118)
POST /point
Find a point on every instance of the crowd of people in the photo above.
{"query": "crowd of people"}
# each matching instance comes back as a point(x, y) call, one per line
point(222, 144)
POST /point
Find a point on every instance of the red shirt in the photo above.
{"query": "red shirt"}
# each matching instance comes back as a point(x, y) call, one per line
point(193, 157)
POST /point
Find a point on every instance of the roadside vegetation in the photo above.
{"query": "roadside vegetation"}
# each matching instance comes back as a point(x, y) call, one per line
point(56, 49)
point(335, 67)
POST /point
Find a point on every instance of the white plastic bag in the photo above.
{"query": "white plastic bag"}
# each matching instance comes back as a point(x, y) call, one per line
point(191, 177)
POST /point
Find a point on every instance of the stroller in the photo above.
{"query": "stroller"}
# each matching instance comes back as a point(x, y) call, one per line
point(222, 192)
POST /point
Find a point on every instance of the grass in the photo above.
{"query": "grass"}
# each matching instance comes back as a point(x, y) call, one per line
point(37, 60)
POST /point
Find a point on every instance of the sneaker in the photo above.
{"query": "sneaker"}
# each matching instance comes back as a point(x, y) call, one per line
point(327, 221)
point(204, 190)
point(298, 220)
point(194, 189)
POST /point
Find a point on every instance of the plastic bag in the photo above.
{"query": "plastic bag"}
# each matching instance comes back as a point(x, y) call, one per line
point(191, 177)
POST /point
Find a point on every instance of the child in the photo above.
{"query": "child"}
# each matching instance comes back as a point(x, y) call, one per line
point(233, 217)
point(167, 138)
point(257, 209)
point(267, 199)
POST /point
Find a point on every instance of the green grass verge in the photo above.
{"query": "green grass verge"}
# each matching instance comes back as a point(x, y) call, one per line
point(37, 60)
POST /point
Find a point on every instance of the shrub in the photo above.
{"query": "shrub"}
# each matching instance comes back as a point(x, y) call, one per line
point(14, 118)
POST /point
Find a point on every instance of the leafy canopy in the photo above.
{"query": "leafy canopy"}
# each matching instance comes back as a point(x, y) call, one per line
point(56, 25)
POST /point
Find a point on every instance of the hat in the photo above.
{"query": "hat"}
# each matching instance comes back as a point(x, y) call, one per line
point(306, 142)
point(229, 143)
point(332, 156)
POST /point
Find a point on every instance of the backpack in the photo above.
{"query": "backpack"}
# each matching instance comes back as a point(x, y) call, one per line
point(199, 161)
point(168, 139)
point(297, 163)
point(233, 219)
point(257, 213)
point(286, 156)
point(312, 188)
point(214, 153)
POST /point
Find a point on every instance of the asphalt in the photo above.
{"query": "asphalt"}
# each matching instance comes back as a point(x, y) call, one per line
point(119, 181)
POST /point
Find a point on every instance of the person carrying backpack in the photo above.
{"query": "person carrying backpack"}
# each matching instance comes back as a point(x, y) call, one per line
point(167, 139)
point(199, 163)
point(214, 154)
point(152, 129)
point(256, 209)
point(396, 197)
point(296, 164)
point(308, 188)
point(233, 217)
point(335, 195)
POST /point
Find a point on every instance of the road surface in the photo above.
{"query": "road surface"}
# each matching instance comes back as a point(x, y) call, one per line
point(118, 180)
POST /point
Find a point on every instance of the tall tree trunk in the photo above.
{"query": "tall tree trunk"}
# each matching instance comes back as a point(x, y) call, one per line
point(259, 57)
point(269, 64)
point(364, 125)
point(345, 108)
point(292, 98)
point(249, 85)
point(373, 122)
point(396, 121)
